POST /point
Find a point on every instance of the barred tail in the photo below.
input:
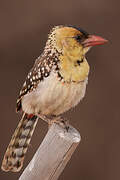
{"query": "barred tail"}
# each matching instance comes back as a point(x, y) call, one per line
point(15, 153)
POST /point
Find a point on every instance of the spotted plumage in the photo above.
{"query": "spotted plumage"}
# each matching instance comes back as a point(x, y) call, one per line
point(55, 84)
point(38, 73)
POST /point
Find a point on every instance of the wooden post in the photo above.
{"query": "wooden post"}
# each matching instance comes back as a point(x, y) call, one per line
point(53, 154)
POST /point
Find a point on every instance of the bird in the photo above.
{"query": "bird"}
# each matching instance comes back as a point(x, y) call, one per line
point(55, 84)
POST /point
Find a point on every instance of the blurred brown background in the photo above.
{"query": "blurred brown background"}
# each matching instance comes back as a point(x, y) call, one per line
point(24, 26)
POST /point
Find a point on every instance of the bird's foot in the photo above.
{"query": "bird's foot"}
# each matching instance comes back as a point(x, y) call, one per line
point(44, 118)
point(64, 123)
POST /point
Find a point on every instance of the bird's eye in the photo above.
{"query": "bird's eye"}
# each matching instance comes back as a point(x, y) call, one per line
point(78, 38)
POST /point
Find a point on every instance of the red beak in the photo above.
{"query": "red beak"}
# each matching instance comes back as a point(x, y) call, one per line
point(93, 40)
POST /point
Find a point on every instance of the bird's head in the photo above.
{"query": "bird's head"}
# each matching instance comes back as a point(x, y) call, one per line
point(73, 43)
point(72, 38)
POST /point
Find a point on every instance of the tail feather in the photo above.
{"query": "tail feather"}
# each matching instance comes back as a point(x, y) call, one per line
point(15, 153)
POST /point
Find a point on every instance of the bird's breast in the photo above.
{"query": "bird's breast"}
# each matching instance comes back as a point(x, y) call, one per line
point(52, 97)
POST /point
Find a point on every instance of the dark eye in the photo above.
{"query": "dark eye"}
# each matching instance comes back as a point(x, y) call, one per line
point(78, 38)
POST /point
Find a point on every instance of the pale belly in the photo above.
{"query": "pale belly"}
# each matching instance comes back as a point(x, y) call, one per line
point(52, 97)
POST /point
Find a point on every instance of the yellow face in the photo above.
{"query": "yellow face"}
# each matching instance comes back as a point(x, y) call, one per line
point(73, 65)
point(66, 38)
point(72, 44)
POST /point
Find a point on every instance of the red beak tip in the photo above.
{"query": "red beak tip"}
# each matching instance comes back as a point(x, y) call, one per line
point(94, 40)
point(105, 40)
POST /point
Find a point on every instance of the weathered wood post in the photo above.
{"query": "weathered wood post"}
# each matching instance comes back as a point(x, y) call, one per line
point(53, 154)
